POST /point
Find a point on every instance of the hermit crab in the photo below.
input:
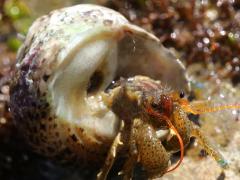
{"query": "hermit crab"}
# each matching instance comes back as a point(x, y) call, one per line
point(89, 87)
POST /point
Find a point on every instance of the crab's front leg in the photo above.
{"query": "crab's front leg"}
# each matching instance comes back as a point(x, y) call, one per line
point(129, 165)
point(152, 154)
point(188, 129)
point(146, 148)
point(201, 107)
point(183, 126)
point(111, 156)
point(208, 146)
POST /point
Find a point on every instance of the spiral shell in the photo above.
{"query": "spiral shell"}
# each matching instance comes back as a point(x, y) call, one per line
point(68, 60)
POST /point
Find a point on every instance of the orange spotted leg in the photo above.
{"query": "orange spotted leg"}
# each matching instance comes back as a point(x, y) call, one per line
point(152, 112)
point(201, 107)
point(151, 153)
point(208, 146)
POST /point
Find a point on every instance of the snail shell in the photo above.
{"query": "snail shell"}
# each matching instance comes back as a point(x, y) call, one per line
point(68, 59)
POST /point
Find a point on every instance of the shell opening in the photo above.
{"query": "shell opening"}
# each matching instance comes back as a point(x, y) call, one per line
point(95, 82)
point(76, 88)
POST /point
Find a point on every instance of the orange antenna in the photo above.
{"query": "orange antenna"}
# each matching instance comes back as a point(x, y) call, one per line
point(154, 113)
point(201, 107)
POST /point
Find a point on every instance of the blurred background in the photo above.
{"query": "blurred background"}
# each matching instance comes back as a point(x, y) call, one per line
point(204, 34)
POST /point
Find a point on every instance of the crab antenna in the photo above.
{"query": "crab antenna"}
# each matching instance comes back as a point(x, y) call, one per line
point(201, 107)
point(156, 114)
point(181, 147)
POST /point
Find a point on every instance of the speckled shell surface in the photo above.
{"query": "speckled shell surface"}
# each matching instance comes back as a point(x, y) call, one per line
point(46, 76)
point(48, 38)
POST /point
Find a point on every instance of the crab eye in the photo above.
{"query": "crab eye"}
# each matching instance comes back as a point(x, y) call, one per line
point(181, 94)
point(154, 105)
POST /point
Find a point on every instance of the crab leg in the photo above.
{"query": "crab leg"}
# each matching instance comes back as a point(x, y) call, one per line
point(151, 152)
point(174, 130)
point(208, 147)
point(182, 124)
point(200, 107)
point(129, 165)
point(133, 155)
point(181, 121)
point(102, 175)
